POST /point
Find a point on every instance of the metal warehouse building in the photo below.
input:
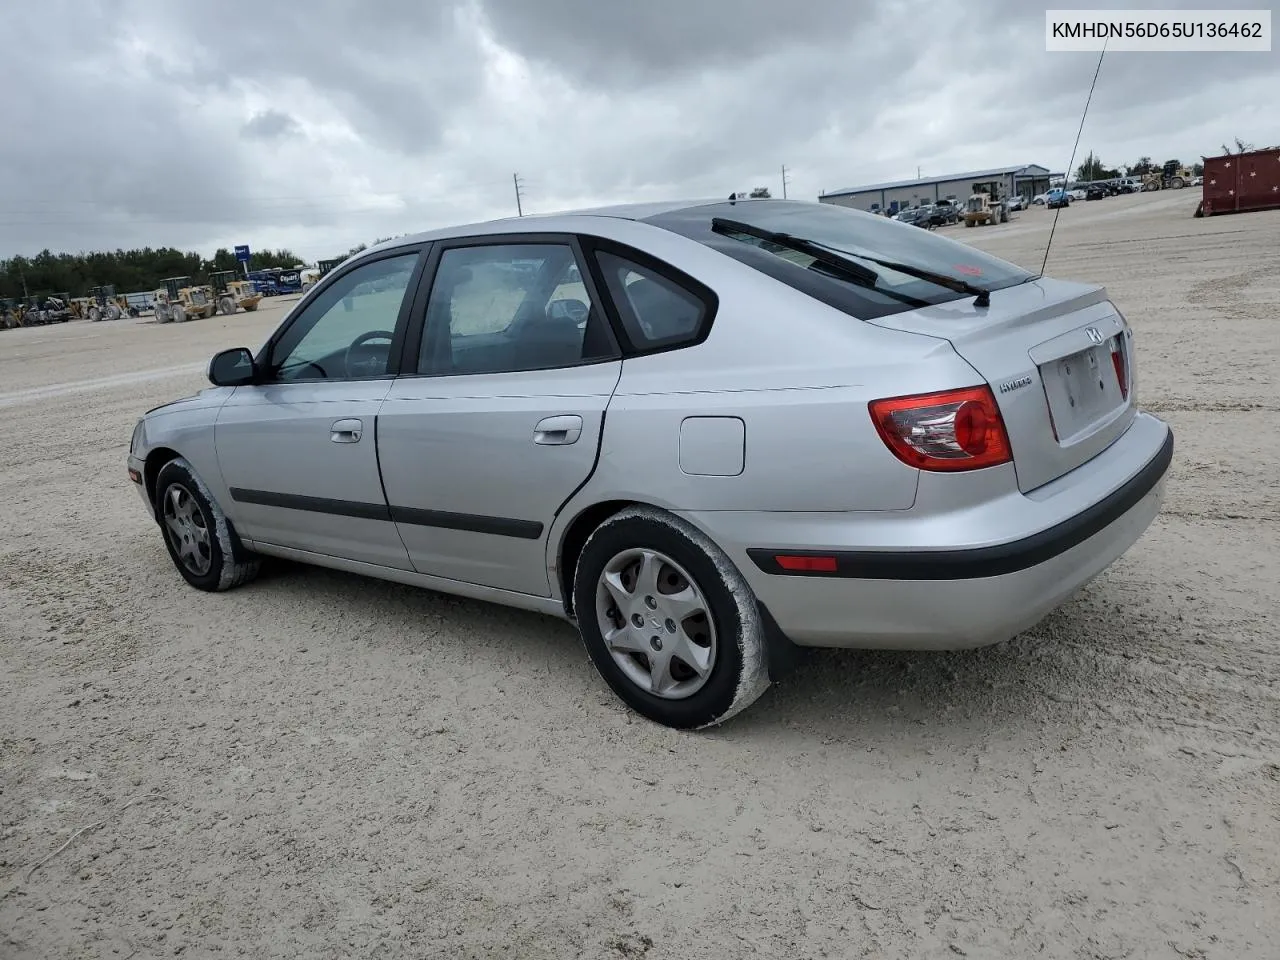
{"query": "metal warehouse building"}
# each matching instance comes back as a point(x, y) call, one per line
point(1027, 179)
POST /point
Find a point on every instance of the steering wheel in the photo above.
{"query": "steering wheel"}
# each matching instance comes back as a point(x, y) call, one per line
point(361, 361)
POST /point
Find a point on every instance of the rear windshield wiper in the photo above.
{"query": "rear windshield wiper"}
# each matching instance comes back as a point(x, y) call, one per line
point(832, 259)
point(941, 279)
point(838, 259)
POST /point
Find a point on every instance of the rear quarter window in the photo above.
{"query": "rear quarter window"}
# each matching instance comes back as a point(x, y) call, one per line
point(656, 311)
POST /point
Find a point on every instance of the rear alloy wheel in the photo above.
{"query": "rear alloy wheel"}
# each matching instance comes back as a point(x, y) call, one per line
point(669, 622)
point(200, 540)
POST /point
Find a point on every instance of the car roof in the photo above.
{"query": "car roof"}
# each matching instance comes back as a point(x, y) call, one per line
point(563, 220)
point(540, 222)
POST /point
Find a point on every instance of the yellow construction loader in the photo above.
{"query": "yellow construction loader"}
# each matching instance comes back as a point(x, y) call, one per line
point(1169, 177)
point(103, 304)
point(178, 301)
point(231, 294)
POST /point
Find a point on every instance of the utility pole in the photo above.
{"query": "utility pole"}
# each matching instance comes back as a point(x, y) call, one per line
point(917, 172)
point(785, 181)
point(515, 179)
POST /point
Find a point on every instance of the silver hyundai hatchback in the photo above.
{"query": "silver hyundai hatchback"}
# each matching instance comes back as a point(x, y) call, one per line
point(708, 433)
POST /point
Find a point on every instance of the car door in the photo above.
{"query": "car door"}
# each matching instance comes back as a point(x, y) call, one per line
point(501, 422)
point(298, 450)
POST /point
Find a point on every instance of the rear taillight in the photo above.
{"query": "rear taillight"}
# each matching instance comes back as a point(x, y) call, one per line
point(1118, 361)
point(954, 430)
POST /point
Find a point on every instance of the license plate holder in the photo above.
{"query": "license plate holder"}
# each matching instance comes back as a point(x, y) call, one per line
point(1082, 390)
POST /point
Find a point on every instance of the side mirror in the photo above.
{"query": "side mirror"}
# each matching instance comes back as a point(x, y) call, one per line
point(232, 368)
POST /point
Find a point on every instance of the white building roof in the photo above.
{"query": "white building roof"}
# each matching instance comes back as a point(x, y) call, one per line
point(1024, 169)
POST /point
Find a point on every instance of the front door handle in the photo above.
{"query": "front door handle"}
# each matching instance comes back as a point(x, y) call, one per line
point(346, 431)
point(558, 430)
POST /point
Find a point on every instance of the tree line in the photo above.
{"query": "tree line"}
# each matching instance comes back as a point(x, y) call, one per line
point(129, 270)
point(1094, 169)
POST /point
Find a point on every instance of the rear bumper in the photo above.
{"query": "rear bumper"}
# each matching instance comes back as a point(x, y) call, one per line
point(963, 587)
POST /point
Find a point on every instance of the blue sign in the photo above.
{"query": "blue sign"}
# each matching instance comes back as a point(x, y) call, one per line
point(242, 254)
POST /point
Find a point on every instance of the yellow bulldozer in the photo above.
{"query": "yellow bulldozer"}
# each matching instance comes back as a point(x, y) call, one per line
point(179, 300)
point(231, 294)
point(1169, 177)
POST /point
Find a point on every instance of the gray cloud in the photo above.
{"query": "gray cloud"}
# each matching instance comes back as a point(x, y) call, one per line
point(324, 126)
point(270, 125)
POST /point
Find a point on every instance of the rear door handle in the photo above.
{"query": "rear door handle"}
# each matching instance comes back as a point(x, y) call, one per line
point(346, 431)
point(558, 430)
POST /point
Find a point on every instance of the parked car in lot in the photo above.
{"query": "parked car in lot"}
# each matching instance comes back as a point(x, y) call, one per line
point(1040, 198)
point(1096, 191)
point(917, 216)
point(947, 210)
point(1016, 202)
point(1056, 198)
point(821, 430)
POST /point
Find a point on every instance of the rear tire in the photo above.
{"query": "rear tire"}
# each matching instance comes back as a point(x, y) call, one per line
point(694, 583)
point(179, 313)
point(94, 314)
point(198, 535)
point(226, 306)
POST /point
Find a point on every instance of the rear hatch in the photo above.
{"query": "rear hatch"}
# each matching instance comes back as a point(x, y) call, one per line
point(1046, 350)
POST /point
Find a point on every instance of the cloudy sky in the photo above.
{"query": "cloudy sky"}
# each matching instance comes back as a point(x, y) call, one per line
point(322, 124)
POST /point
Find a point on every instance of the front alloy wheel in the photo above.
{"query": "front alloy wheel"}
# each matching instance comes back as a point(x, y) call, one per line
point(197, 534)
point(187, 529)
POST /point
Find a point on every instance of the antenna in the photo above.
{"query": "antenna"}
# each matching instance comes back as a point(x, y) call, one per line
point(1067, 176)
point(515, 179)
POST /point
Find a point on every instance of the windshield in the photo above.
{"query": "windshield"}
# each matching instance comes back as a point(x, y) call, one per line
point(855, 235)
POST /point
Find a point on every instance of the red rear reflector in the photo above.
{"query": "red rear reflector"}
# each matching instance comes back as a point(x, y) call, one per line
point(807, 564)
point(1122, 374)
point(134, 475)
point(953, 430)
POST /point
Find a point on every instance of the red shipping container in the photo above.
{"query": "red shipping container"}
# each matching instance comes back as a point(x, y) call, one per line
point(1241, 181)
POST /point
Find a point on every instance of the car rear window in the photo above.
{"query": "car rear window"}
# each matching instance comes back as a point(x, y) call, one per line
point(853, 234)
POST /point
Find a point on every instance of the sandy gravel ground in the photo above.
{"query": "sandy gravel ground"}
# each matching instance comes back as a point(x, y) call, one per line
point(325, 766)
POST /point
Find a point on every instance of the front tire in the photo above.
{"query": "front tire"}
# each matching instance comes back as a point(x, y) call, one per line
point(669, 622)
point(198, 535)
